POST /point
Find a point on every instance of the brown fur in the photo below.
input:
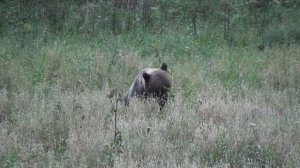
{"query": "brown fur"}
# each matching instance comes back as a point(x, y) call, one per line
point(151, 82)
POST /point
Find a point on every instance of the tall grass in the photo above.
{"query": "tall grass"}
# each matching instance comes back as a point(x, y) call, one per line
point(231, 106)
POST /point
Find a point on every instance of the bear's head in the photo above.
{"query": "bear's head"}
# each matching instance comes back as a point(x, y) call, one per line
point(151, 82)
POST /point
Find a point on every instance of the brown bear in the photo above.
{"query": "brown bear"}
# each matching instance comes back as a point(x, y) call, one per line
point(151, 82)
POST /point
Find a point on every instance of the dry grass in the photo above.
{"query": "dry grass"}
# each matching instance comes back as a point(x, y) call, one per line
point(236, 109)
point(62, 72)
point(64, 128)
point(77, 130)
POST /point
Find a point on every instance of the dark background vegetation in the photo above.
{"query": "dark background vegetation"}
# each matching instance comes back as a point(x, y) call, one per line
point(239, 22)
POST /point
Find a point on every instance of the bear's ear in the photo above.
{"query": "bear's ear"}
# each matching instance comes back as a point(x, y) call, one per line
point(146, 77)
point(164, 67)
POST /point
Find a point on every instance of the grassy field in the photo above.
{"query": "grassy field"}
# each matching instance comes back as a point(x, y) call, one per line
point(231, 106)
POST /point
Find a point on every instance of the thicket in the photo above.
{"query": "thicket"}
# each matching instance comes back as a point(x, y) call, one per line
point(242, 22)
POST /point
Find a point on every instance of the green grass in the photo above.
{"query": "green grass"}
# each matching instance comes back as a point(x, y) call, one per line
point(54, 109)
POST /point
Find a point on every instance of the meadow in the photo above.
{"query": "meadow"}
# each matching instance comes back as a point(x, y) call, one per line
point(231, 105)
